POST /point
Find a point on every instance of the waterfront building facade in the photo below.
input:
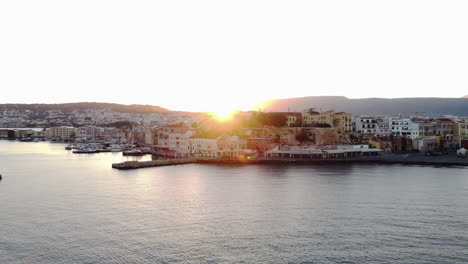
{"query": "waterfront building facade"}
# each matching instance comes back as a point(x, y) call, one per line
point(311, 118)
point(404, 126)
point(200, 146)
point(322, 152)
point(444, 129)
point(343, 122)
point(62, 132)
point(377, 126)
point(230, 146)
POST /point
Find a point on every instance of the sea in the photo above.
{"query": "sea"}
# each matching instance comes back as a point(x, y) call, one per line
point(60, 207)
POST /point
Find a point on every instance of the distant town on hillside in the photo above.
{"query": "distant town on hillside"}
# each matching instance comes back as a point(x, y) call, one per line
point(311, 132)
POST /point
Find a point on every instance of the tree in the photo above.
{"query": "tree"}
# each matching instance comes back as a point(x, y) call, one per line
point(302, 136)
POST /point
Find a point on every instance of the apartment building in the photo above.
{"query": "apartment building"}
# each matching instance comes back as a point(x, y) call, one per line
point(404, 126)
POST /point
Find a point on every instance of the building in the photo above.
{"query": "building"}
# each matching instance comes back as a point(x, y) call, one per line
point(404, 126)
point(383, 143)
point(460, 128)
point(427, 127)
point(313, 118)
point(323, 152)
point(170, 140)
point(293, 119)
point(149, 138)
point(162, 134)
point(5, 133)
point(376, 126)
point(464, 143)
point(444, 127)
point(230, 146)
point(201, 146)
point(342, 121)
point(179, 144)
point(80, 133)
point(425, 144)
point(62, 132)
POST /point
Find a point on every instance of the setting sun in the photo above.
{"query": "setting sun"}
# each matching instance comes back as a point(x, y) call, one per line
point(223, 115)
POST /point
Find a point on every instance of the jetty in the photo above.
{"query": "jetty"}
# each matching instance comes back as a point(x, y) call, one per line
point(129, 165)
point(387, 158)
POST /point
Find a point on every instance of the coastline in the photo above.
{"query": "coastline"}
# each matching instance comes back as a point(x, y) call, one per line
point(390, 158)
point(408, 159)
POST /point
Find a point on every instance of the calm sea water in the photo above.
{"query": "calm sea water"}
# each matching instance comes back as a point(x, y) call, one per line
point(58, 207)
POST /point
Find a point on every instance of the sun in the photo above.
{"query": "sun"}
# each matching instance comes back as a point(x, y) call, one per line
point(223, 115)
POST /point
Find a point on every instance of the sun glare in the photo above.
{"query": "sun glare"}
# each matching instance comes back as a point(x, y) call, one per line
point(224, 115)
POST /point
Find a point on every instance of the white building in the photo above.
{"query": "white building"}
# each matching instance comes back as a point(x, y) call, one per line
point(179, 142)
point(404, 126)
point(378, 126)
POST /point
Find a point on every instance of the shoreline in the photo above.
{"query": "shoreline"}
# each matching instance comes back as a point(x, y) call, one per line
point(403, 159)
point(338, 161)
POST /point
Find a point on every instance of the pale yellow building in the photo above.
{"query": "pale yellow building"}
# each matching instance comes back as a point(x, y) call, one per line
point(313, 118)
point(460, 128)
point(61, 132)
point(342, 121)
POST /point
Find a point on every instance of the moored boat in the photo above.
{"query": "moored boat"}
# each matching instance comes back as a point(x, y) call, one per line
point(134, 152)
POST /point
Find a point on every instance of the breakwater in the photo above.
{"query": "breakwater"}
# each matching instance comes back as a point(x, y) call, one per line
point(128, 165)
point(390, 158)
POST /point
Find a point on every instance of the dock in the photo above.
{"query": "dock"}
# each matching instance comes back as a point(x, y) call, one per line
point(129, 165)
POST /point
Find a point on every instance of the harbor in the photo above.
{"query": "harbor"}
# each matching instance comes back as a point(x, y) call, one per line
point(48, 192)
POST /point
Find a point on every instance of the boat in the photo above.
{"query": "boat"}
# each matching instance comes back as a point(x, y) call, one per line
point(133, 152)
point(69, 147)
point(85, 151)
point(115, 150)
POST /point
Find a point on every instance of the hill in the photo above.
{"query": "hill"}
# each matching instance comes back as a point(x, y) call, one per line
point(372, 106)
point(69, 107)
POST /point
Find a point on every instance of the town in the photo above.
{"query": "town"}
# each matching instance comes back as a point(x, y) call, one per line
point(249, 135)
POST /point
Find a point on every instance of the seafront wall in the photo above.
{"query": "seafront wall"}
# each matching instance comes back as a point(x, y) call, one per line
point(369, 160)
point(128, 165)
point(411, 159)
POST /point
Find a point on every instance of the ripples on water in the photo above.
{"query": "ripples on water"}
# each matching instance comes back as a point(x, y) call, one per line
point(57, 207)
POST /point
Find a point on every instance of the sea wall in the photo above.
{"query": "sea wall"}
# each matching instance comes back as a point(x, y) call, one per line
point(128, 165)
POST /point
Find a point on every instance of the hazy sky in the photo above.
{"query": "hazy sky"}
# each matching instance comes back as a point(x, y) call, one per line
point(221, 55)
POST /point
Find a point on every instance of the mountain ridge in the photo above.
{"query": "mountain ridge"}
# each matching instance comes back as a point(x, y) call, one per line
point(81, 106)
point(429, 106)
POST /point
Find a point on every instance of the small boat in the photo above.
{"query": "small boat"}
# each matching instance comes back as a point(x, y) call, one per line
point(133, 152)
point(115, 149)
point(85, 151)
point(69, 147)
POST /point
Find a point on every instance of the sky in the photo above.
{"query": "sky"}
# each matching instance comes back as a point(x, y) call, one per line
point(224, 55)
